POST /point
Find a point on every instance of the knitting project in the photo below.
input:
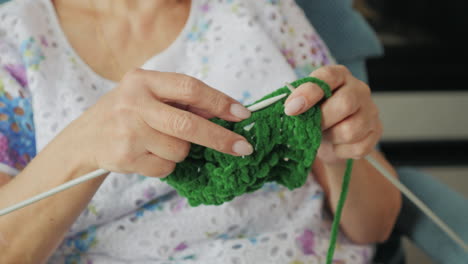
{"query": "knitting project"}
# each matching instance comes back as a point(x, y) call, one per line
point(285, 148)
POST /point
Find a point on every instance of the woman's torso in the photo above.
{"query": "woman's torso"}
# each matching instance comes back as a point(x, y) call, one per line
point(244, 48)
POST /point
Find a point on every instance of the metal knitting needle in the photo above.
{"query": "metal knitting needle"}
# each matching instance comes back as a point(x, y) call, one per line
point(53, 191)
point(266, 102)
point(270, 101)
point(420, 204)
point(290, 87)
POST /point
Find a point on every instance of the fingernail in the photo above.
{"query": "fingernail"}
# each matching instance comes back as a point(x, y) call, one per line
point(295, 105)
point(240, 111)
point(242, 148)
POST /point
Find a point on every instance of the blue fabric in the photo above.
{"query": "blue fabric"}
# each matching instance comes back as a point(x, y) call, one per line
point(412, 223)
point(449, 205)
point(357, 68)
point(346, 33)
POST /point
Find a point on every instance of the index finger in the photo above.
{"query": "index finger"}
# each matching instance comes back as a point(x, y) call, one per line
point(186, 90)
point(193, 128)
point(308, 94)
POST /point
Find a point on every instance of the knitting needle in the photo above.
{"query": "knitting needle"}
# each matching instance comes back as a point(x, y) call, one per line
point(101, 172)
point(290, 87)
point(53, 191)
point(270, 101)
point(413, 198)
point(266, 102)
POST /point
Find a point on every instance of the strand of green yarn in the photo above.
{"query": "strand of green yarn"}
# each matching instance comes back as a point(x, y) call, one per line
point(285, 148)
point(339, 208)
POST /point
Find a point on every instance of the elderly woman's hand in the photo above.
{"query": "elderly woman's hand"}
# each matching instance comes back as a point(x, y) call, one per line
point(146, 124)
point(351, 125)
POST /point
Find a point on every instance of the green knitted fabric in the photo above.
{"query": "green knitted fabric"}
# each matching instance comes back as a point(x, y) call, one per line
point(285, 148)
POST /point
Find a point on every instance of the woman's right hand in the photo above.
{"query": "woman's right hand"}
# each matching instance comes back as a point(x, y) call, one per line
point(145, 125)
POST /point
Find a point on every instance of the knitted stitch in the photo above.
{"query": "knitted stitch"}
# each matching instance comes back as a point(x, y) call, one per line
point(285, 148)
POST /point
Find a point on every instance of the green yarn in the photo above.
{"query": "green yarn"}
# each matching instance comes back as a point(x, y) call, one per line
point(339, 208)
point(285, 148)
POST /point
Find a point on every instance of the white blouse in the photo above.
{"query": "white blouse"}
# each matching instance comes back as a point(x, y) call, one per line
point(245, 49)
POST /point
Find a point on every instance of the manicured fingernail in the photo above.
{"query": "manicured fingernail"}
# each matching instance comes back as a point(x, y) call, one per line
point(295, 105)
point(242, 147)
point(240, 111)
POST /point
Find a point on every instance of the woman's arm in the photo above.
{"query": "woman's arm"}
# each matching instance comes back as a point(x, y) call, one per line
point(30, 235)
point(4, 179)
point(372, 204)
point(127, 131)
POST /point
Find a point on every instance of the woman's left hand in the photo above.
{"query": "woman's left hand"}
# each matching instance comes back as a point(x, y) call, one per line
point(350, 119)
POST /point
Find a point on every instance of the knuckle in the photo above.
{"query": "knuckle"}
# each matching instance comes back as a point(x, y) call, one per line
point(122, 106)
point(326, 73)
point(124, 101)
point(133, 76)
point(126, 140)
point(219, 103)
point(183, 151)
point(167, 168)
point(342, 68)
point(123, 156)
point(221, 140)
point(360, 151)
point(121, 116)
point(222, 144)
point(347, 132)
point(183, 124)
point(347, 105)
point(189, 88)
point(122, 132)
